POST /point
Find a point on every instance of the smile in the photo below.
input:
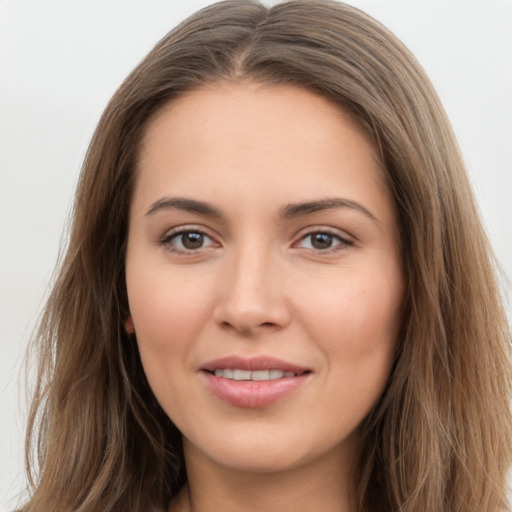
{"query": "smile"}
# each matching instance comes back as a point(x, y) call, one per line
point(253, 383)
point(257, 375)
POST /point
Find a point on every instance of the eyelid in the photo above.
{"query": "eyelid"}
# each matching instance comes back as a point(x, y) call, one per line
point(165, 240)
point(345, 239)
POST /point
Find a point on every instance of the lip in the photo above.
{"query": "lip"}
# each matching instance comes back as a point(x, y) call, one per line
point(253, 364)
point(253, 394)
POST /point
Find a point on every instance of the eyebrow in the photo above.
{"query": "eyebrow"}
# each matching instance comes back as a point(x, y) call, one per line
point(287, 212)
point(298, 209)
point(186, 204)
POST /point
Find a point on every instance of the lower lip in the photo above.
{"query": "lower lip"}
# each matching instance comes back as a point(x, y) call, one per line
point(252, 394)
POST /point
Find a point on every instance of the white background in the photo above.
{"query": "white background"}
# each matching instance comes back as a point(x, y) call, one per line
point(60, 61)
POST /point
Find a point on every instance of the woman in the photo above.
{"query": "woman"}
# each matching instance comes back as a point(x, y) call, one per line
point(277, 291)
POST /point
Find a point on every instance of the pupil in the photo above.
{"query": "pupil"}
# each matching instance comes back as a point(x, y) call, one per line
point(192, 240)
point(321, 241)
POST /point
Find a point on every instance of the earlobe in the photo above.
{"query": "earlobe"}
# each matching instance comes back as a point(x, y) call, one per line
point(128, 325)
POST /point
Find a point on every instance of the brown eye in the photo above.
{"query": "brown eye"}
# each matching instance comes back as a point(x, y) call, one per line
point(187, 241)
point(192, 240)
point(321, 240)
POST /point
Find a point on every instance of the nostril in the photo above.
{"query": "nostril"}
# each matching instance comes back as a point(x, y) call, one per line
point(248, 328)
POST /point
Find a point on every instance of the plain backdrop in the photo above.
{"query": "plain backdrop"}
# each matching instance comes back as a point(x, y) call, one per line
point(60, 61)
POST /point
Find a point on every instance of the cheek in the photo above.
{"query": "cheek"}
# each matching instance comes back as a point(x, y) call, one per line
point(355, 323)
point(364, 309)
point(168, 311)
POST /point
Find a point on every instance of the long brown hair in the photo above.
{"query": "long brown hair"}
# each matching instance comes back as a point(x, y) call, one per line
point(439, 439)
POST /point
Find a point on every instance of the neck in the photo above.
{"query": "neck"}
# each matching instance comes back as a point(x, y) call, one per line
point(325, 484)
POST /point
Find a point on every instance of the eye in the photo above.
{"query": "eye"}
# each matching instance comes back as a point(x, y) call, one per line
point(189, 240)
point(323, 241)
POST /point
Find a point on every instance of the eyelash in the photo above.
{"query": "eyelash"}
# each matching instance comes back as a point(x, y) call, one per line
point(166, 241)
point(343, 243)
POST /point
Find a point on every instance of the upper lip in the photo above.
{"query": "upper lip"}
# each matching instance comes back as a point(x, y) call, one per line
point(253, 364)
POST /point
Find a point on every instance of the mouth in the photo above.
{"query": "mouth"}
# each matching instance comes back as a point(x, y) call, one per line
point(254, 368)
point(256, 375)
point(254, 382)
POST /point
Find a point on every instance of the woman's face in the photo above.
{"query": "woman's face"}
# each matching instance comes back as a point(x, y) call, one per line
point(264, 276)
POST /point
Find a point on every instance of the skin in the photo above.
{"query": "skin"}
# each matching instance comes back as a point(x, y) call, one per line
point(259, 284)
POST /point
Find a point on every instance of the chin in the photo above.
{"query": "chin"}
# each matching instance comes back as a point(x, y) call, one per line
point(259, 458)
point(267, 451)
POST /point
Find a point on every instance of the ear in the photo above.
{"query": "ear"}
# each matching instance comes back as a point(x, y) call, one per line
point(128, 325)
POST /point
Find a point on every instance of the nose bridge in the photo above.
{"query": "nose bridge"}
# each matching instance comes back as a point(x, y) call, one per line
point(252, 294)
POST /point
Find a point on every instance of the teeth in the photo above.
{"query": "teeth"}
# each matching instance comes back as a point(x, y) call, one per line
point(257, 375)
point(242, 375)
point(260, 375)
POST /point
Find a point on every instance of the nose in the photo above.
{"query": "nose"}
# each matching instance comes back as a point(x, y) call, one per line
point(251, 295)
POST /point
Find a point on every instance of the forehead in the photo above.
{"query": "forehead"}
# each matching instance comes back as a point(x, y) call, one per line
point(256, 139)
point(251, 107)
